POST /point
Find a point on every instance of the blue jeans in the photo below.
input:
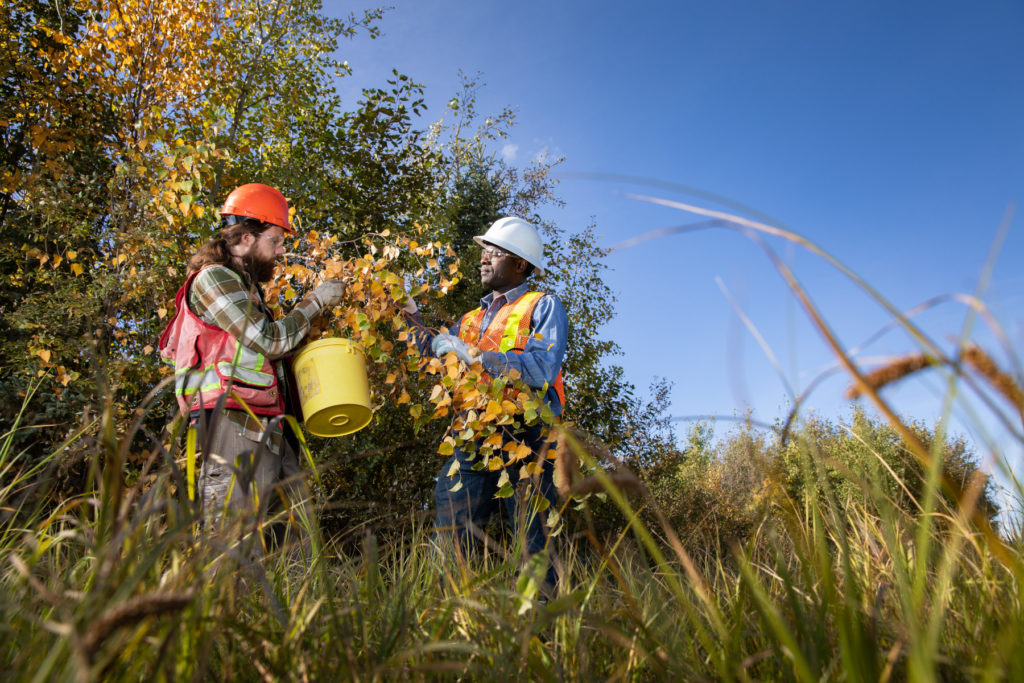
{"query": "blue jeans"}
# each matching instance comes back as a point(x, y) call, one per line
point(474, 502)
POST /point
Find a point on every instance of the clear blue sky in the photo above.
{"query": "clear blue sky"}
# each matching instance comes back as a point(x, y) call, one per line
point(889, 133)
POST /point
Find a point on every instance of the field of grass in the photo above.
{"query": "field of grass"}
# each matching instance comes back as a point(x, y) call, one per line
point(119, 583)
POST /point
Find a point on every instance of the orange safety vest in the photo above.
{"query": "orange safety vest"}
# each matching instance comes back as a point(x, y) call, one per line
point(509, 331)
point(208, 361)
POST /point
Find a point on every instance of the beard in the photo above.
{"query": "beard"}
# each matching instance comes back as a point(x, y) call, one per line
point(259, 269)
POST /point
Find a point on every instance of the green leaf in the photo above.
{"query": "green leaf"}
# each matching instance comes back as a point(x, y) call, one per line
point(505, 491)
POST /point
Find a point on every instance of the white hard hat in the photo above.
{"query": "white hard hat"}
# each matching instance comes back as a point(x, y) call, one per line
point(518, 237)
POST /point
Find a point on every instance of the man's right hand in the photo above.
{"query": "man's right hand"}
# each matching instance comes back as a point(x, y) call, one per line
point(329, 293)
point(443, 343)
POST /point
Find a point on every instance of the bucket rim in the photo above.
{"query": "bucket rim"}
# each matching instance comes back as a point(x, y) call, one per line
point(330, 341)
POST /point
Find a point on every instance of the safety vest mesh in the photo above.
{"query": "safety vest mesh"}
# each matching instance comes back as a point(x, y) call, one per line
point(209, 362)
point(509, 330)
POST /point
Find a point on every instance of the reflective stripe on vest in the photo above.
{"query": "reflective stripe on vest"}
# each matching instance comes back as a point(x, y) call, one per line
point(509, 331)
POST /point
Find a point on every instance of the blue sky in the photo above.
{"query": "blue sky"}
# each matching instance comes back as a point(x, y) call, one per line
point(890, 134)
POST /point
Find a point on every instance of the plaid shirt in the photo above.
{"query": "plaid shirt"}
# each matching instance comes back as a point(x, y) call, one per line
point(220, 297)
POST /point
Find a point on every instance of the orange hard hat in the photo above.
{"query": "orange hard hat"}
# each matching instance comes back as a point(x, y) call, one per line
point(259, 201)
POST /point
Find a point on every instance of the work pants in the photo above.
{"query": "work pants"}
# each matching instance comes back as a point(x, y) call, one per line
point(247, 475)
point(472, 505)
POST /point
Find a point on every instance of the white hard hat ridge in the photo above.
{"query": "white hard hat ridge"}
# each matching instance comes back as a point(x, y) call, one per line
point(518, 237)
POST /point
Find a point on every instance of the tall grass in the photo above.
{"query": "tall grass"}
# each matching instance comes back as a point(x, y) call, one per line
point(120, 582)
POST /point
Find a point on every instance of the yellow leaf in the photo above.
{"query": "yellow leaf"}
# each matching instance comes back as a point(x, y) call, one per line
point(390, 379)
point(522, 452)
point(72, 254)
point(534, 467)
point(76, 268)
point(404, 398)
point(447, 447)
point(494, 464)
point(57, 260)
point(289, 294)
point(435, 395)
point(44, 354)
point(147, 349)
point(493, 408)
point(161, 312)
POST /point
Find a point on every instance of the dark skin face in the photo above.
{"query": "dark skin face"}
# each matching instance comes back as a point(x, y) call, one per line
point(501, 273)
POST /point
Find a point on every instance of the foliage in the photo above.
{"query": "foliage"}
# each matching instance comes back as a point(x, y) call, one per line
point(715, 492)
point(124, 163)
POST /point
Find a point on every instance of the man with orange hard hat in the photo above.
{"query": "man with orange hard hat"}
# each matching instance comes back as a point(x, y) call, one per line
point(226, 348)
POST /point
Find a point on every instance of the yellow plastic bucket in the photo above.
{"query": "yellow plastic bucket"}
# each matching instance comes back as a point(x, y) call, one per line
point(335, 395)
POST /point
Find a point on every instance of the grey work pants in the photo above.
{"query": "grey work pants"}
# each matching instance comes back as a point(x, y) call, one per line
point(248, 476)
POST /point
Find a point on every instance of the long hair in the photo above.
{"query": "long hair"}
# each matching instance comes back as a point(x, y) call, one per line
point(217, 251)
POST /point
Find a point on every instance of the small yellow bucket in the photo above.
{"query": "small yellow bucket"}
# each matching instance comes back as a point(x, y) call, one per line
point(335, 395)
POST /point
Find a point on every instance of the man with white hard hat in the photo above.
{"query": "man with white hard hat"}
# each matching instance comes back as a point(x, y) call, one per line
point(513, 329)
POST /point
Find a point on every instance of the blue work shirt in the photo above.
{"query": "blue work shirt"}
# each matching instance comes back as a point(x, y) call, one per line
point(541, 360)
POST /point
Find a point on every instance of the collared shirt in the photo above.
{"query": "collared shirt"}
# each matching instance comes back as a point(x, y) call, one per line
point(219, 297)
point(541, 360)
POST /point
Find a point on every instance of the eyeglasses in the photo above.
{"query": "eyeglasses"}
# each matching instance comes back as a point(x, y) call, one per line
point(491, 251)
point(277, 240)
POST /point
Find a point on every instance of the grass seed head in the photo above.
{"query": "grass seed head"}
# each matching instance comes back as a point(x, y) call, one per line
point(893, 372)
point(1002, 382)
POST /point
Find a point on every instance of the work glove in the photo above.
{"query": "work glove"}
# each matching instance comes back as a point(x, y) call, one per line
point(443, 343)
point(328, 293)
